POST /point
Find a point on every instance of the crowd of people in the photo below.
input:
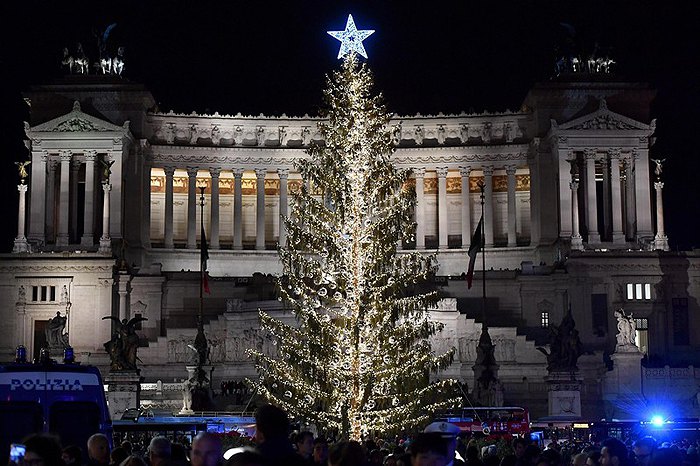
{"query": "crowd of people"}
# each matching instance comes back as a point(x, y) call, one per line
point(440, 444)
point(237, 389)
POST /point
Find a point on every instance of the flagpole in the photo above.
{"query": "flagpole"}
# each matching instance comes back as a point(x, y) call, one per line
point(483, 258)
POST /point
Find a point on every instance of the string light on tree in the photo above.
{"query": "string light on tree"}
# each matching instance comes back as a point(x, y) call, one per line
point(351, 39)
point(360, 358)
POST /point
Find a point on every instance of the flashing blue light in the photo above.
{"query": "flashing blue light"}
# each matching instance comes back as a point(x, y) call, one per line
point(68, 355)
point(657, 421)
point(21, 354)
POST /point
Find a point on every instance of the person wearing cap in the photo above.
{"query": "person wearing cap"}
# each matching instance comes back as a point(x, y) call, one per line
point(449, 432)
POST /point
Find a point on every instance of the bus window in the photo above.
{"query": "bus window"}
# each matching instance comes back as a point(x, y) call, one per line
point(75, 420)
point(17, 420)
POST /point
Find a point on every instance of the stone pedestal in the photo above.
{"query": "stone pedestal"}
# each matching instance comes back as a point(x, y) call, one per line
point(189, 385)
point(564, 395)
point(622, 386)
point(123, 392)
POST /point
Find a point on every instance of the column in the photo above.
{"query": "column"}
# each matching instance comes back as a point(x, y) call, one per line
point(260, 208)
point(576, 240)
point(214, 232)
point(21, 244)
point(191, 208)
point(115, 181)
point(512, 217)
point(37, 211)
point(284, 204)
point(618, 236)
point(591, 203)
point(642, 192)
point(420, 208)
point(466, 207)
point(606, 228)
point(51, 201)
point(168, 227)
point(74, 172)
point(123, 291)
point(630, 216)
point(660, 240)
point(63, 199)
point(89, 217)
point(105, 239)
point(488, 205)
point(146, 204)
point(237, 208)
point(442, 207)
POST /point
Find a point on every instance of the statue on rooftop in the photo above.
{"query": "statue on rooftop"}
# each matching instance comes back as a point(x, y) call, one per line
point(22, 167)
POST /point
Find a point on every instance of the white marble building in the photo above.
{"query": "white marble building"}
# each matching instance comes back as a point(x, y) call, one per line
point(590, 237)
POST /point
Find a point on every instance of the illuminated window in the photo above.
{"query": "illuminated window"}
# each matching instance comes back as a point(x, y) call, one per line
point(639, 291)
point(544, 319)
point(43, 293)
point(641, 338)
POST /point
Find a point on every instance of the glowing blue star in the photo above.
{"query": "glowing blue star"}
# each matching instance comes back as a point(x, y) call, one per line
point(351, 39)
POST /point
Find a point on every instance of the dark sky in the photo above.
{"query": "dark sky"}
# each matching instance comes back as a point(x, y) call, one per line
point(270, 57)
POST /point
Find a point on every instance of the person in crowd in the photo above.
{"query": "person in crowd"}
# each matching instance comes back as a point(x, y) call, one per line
point(472, 458)
point(159, 451)
point(349, 453)
point(206, 450)
point(178, 455)
point(271, 436)
point(126, 445)
point(643, 450)
point(530, 455)
point(489, 456)
point(613, 453)
point(117, 455)
point(133, 460)
point(552, 456)
point(72, 455)
point(376, 458)
point(666, 457)
point(593, 459)
point(403, 460)
point(320, 454)
point(305, 445)
point(579, 459)
point(98, 450)
point(390, 460)
point(431, 449)
point(519, 444)
point(42, 450)
point(246, 457)
point(449, 432)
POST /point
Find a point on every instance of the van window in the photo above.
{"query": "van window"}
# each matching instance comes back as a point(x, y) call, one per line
point(75, 420)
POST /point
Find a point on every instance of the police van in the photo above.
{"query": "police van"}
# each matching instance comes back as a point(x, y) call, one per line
point(65, 399)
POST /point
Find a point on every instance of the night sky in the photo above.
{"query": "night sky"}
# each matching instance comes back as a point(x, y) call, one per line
point(433, 56)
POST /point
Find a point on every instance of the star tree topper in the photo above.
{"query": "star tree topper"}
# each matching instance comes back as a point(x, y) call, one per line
point(351, 39)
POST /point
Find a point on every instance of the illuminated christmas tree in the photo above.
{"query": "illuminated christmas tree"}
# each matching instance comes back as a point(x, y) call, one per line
point(360, 359)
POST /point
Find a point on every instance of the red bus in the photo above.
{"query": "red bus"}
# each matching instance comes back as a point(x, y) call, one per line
point(491, 420)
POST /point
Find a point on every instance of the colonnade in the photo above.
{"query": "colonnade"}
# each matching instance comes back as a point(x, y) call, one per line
point(55, 210)
point(625, 209)
point(214, 240)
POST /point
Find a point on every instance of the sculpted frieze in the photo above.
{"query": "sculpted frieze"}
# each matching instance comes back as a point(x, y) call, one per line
point(77, 125)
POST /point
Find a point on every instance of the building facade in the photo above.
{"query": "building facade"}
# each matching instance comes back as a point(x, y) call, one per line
point(573, 219)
